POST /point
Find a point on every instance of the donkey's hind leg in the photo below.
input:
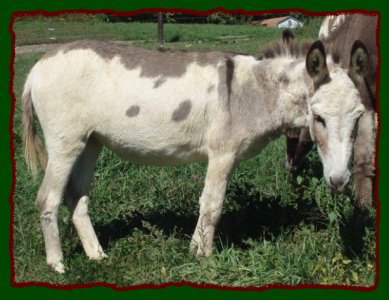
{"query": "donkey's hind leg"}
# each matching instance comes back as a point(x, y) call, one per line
point(77, 198)
point(59, 166)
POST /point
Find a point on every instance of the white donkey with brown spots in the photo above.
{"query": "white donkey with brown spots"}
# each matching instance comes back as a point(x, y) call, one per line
point(166, 108)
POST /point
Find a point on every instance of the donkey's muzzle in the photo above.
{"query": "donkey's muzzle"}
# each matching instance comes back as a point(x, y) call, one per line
point(338, 183)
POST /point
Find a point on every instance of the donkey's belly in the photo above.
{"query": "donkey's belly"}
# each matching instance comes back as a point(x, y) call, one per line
point(162, 157)
point(158, 156)
point(158, 146)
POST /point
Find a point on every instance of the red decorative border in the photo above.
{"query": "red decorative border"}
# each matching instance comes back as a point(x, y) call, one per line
point(186, 283)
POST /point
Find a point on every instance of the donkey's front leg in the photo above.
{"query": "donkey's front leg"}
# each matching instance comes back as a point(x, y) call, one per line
point(211, 203)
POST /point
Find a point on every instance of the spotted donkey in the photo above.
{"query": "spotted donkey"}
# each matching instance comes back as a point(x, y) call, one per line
point(165, 108)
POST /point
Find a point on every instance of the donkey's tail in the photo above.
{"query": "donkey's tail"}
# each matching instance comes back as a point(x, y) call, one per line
point(34, 151)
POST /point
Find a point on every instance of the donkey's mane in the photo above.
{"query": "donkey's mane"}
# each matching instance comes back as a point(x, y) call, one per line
point(285, 48)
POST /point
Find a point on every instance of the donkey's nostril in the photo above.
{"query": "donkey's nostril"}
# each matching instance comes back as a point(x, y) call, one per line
point(339, 182)
point(336, 181)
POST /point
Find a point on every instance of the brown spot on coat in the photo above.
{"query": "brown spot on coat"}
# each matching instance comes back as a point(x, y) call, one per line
point(210, 88)
point(133, 111)
point(182, 111)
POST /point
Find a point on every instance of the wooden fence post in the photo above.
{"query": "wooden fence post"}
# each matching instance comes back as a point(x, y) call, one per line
point(160, 29)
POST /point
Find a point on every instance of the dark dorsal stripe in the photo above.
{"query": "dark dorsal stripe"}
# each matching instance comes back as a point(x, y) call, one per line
point(229, 75)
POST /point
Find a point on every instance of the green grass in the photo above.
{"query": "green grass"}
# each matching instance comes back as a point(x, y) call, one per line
point(177, 36)
point(274, 228)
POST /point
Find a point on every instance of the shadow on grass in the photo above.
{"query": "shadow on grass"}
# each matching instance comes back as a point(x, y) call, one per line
point(254, 218)
point(261, 218)
point(353, 231)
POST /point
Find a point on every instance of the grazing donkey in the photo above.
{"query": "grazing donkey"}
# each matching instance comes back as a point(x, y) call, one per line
point(166, 108)
point(338, 34)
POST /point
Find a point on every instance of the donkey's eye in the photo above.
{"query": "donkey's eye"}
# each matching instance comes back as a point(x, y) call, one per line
point(320, 120)
point(355, 129)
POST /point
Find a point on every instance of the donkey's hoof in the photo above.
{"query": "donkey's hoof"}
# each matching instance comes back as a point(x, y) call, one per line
point(59, 267)
point(203, 253)
point(290, 166)
point(102, 256)
point(193, 247)
point(99, 256)
point(200, 251)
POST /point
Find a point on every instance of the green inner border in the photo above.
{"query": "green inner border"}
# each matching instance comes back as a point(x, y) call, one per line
point(9, 7)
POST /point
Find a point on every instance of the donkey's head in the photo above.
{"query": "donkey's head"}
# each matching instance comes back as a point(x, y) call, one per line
point(334, 109)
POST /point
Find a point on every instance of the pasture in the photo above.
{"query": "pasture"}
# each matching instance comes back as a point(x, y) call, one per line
point(275, 228)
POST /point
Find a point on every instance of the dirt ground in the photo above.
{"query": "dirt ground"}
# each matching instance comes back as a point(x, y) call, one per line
point(34, 48)
point(47, 47)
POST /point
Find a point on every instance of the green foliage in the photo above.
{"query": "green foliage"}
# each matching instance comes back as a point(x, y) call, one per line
point(275, 228)
point(221, 18)
point(301, 17)
point(311, 27)
point(169, 18)
point(66, 18)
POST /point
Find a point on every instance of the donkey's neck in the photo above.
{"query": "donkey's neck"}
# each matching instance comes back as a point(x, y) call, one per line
point(268, 97)
point(287, 87)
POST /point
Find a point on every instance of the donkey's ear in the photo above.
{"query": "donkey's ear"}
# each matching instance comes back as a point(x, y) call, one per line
point(359, 62)
point(316, 63)
point(287, 36)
